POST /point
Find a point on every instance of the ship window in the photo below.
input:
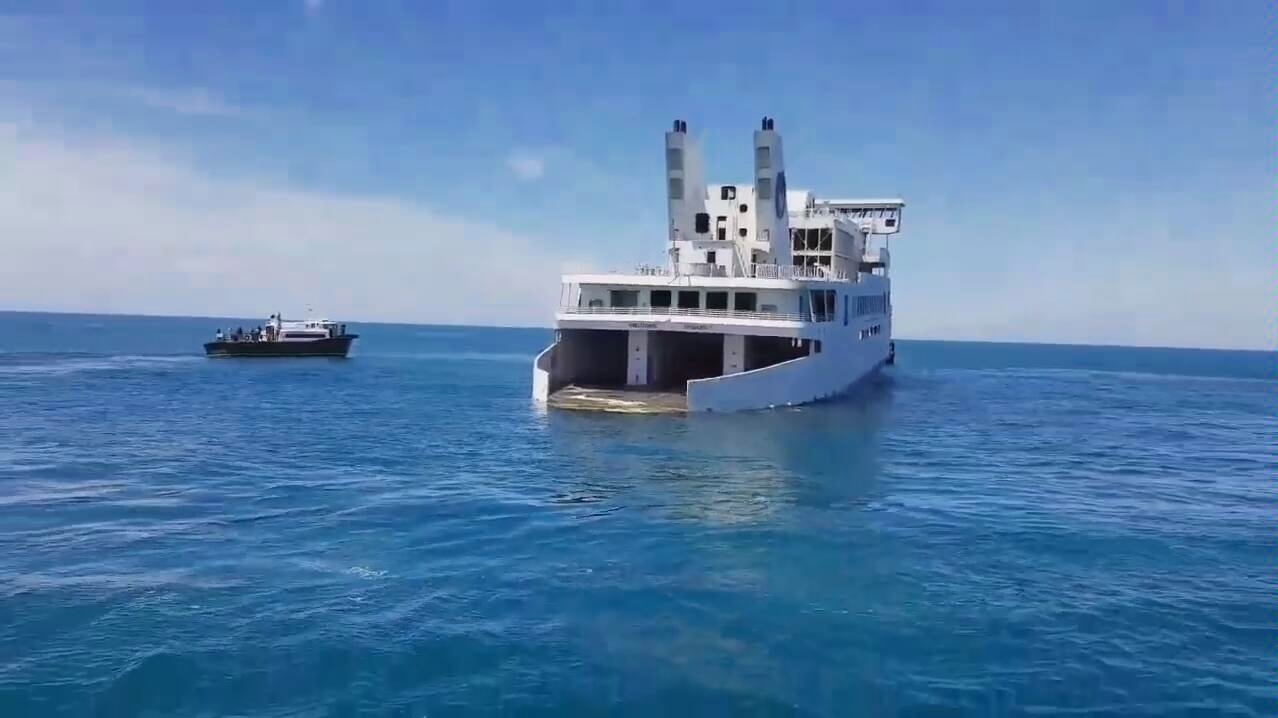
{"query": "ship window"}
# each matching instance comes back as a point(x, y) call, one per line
point(660, 298)
point(674, 158)
point(845, 310)
point(891, 222)
point(823, 305)
point(710, 257)
point(727, 192)
point(742, 232)
point(716, 300)
point(816, 347)
point(624, 297)
point(689, 300)
point(765, 189)
point(595, 303)
point(702, 223)
point(768, 308)
point(762, 158)
point(744, 301)
point(676, 188)
point(743, 208)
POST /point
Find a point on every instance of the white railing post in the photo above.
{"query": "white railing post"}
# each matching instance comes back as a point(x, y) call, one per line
point(684, 312)
point(757, 271)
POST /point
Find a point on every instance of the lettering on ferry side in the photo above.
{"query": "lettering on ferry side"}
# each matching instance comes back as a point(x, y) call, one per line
point(643, 325)
point(697, 327)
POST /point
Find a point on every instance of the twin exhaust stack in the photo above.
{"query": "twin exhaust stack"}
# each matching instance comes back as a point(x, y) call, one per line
point(759, 209)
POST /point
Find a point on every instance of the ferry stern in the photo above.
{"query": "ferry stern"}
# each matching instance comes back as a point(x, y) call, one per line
point(769, 297)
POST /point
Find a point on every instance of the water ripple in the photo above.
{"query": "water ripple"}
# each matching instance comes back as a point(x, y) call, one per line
point(403, 534)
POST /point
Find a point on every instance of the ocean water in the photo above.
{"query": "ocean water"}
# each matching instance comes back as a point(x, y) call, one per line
point(985, 530)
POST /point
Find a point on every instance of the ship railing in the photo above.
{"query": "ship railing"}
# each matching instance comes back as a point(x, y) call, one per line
point(754, 271)
point(790, 271)
point(840, 213)
point(687, 312)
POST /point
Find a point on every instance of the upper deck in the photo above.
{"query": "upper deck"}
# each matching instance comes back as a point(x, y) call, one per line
point(745, 257)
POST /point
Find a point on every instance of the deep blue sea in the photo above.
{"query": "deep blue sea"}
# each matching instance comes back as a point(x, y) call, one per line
point(988, 529)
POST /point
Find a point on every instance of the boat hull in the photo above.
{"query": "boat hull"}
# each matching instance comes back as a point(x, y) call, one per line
point(331, 347)
point(806, 379)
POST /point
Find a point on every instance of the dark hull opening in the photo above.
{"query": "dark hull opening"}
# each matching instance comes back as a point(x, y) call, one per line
point(763, 352)
point(331, 347)
point(676, 357)
point(592, 357)
point(598, 358)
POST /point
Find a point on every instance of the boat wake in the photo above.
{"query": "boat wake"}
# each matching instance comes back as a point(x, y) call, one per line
point(61, 364)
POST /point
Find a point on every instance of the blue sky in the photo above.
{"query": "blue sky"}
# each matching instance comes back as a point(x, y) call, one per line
point(1078, 171)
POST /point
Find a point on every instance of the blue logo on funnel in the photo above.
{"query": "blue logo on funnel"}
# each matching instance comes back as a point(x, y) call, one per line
point(779, 195)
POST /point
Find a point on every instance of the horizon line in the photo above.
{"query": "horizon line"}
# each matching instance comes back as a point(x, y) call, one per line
point(551, 328)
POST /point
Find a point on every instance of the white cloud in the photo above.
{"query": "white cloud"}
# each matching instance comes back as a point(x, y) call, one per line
point(191, 101)
point(527, 165)
point(1143, 275)
point(112, 226)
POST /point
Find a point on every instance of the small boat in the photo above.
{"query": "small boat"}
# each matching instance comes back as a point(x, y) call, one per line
point(280, 338)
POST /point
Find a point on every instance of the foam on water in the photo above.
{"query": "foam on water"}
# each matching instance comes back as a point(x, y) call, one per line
point(21, 364)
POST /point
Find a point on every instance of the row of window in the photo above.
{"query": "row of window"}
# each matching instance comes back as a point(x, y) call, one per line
point(701, 225)
point(807, 260)
point(820, 305)
point(869, 212)
point(870, 332)
point(890, 215)
point(820, 239)
point(686, 299)
point(875, 304)
point(823, 303)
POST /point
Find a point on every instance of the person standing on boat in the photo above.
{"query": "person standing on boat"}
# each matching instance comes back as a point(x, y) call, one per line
point(218, 336)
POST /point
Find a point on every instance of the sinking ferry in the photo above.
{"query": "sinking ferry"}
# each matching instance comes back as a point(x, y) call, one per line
point(768, 297)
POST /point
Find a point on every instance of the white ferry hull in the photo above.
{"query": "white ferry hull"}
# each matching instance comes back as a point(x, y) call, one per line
point(798, 381)
point(804, 380)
